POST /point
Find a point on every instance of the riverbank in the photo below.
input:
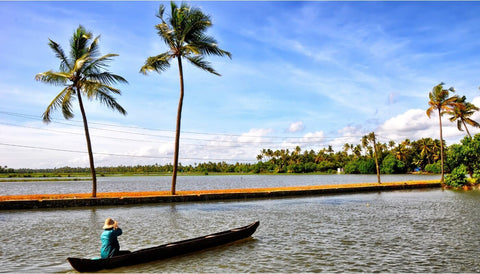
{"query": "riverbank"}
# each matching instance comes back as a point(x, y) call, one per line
point(11, 202)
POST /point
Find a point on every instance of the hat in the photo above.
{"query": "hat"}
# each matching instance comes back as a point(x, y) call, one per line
point(109, 223)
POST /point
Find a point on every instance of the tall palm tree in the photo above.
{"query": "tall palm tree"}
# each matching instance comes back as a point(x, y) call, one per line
point(461, 113)
point(184, 34)
point(371, 138)
point(441, 101)
point(82, 73)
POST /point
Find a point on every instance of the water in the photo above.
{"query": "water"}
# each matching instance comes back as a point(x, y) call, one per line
point(428, 230)
point(160, 183)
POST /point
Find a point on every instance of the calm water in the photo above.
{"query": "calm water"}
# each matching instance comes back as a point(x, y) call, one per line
point(159, 183)
point(402, 231)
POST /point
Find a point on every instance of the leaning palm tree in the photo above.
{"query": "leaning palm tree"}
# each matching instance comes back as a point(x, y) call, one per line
point(441, 101)
point(461, 113)
point(184, 34)
point(82, 73)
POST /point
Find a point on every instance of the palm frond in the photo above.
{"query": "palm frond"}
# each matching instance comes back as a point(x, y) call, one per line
point(459, 125)
point(93, 49)
point(78, 43)
point(90, 88)
point(157, 63)
point(96, 65)
point(201, 63)
point(53, 78)
point(167, 34)
point(472, 122)
point(208, 46)
point(108, 100)
point(57, 49)
point(80, 63)
point(56, 103)
point(107, 78)
point(67, 104)
point(160, 13)
point(429, 111)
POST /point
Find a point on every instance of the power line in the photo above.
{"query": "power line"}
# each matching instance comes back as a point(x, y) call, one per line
point(216, 141)
point(114, 154)
point(172, 131)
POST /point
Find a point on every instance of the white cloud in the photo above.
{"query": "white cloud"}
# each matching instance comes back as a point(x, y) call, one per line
point(414, 124)
point(296, 127)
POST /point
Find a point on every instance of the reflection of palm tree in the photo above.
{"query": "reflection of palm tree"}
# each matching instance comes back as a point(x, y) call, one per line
point(461, 113)
point(441, 101)
point(82, 74)
point(184, 34)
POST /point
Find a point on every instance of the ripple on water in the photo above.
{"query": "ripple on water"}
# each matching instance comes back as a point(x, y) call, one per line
point(401, 231)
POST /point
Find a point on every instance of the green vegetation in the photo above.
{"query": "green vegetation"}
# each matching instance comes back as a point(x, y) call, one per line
point(184, 33)
point(82, 73)
point(457, 178)
point(464, 158)
point(406, 157)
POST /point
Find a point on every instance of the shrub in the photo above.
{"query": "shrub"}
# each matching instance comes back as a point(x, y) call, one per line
point(476, 177)
point(367, 167)
point(310, 167)
point(458, 177)
point(391, 165)
point(434, 168)
point(351, 168)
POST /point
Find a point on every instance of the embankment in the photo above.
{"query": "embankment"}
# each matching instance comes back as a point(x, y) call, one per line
point(13, 202)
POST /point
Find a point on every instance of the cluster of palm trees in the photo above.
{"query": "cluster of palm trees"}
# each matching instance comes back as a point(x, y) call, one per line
point(418, 154)
point(457, 107)
point(83, 73)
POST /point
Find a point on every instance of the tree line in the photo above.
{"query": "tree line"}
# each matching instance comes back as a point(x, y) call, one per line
point(408, 156)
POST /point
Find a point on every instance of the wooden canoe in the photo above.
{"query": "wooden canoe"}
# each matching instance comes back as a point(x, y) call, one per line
point(164, 251)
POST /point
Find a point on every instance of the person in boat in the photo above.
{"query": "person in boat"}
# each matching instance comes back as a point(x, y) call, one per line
point(110, 245)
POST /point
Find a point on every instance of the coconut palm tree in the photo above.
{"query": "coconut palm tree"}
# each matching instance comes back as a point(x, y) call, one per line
point(461, 113)
point(82, 73)
point(441, 101)
point(184, 34)
point(426, 148)
point(365, 141)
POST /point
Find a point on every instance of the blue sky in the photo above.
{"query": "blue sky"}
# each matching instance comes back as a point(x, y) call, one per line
point(311, 74)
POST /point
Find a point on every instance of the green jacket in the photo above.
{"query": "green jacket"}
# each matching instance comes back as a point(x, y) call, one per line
point(110, 245)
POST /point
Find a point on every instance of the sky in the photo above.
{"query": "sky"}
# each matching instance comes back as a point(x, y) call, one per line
point(310, 74)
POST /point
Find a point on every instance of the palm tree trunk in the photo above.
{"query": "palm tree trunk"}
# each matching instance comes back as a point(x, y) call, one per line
point(441, 144)
point(177, 131)
point(89, 145)
point(465, 126)
point(376, 157)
